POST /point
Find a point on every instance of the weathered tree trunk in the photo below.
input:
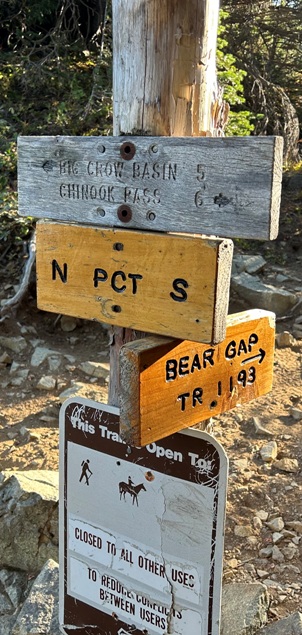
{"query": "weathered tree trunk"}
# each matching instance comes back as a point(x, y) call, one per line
point(164, 83)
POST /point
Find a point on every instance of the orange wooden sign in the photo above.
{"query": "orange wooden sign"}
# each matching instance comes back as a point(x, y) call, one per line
point(160, 283)
point(167, 385)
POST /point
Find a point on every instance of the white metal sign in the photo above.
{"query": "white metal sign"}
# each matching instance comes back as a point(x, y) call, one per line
point(141, 528)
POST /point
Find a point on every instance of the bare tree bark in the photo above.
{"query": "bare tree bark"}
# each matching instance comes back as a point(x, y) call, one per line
point(164, 83)
point(12, 304)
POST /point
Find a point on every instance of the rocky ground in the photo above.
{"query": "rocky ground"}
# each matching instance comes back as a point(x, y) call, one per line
point(45, 357)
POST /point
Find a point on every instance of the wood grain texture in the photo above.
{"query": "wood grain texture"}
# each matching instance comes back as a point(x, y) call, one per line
point(276, 188)
point(167, 385)
point(159, 283)
point(164, 66)
point(164, 82)
point(216, 186)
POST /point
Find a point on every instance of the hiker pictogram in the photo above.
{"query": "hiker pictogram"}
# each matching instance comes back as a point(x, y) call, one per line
point(86, 471)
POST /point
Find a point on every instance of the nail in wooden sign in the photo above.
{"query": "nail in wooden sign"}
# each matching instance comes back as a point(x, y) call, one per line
point(223, 186)
point(141, 529)
point(167, 385)
point(166, 284)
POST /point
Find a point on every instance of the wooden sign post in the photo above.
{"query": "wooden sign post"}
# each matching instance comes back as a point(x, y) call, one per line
point(167, 384)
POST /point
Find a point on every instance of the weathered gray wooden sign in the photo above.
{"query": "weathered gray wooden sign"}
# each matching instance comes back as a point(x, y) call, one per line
point(223, 186)
point(141, 529)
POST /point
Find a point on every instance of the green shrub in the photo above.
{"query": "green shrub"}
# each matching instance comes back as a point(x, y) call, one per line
point(231, 79)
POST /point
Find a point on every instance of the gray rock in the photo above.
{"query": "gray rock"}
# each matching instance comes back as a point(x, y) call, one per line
point(36, 342)
point(68, 323)
point(6, 624)
point(5, 358)
point(257, 523)
point(254, 264)
point(285, 339)
point(262, 573)
point(28, 519)
point(12, 589)
point(242, 531)
point(276, 524)
point(244, 262)
point(47, 382)
point(24, 432)
point(13, 585)
point(20, 377)
point(23, 373)
point(266, 552)
point(237, 264)
point(277, 554)
point(76, 390)
point(40, 354)
point(15, 344)
point(259, 429)
point(34, 436)
point(70, 358)
point(49, 419)
point(14, 367)
point(296, 525)
point(24, 330)
point(262, 514)
point(290, 551)
point(95, 369)
point(296, 414)
point(244, 608)
point(291, 625)
point(269, 451)
point(287, 465)
point(281, 278)
point(263, 296)
point(11, 434)
point(39, 613)
point(54, 363)
point(17, 381)
point(271, 583)
point(277, 537)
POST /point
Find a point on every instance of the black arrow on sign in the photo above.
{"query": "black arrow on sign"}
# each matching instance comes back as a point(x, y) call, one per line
point(260, 356)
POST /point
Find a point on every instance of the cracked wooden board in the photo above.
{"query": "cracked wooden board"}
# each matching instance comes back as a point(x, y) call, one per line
point(223, 186)
point(159, 283)
point(141, 529)
point(167, 385)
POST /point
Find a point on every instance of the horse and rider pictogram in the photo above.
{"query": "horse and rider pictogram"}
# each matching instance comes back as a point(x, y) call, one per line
point(130, 488)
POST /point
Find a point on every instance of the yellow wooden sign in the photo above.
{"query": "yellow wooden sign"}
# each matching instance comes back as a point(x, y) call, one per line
point(161, 283)
point(167, 385)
